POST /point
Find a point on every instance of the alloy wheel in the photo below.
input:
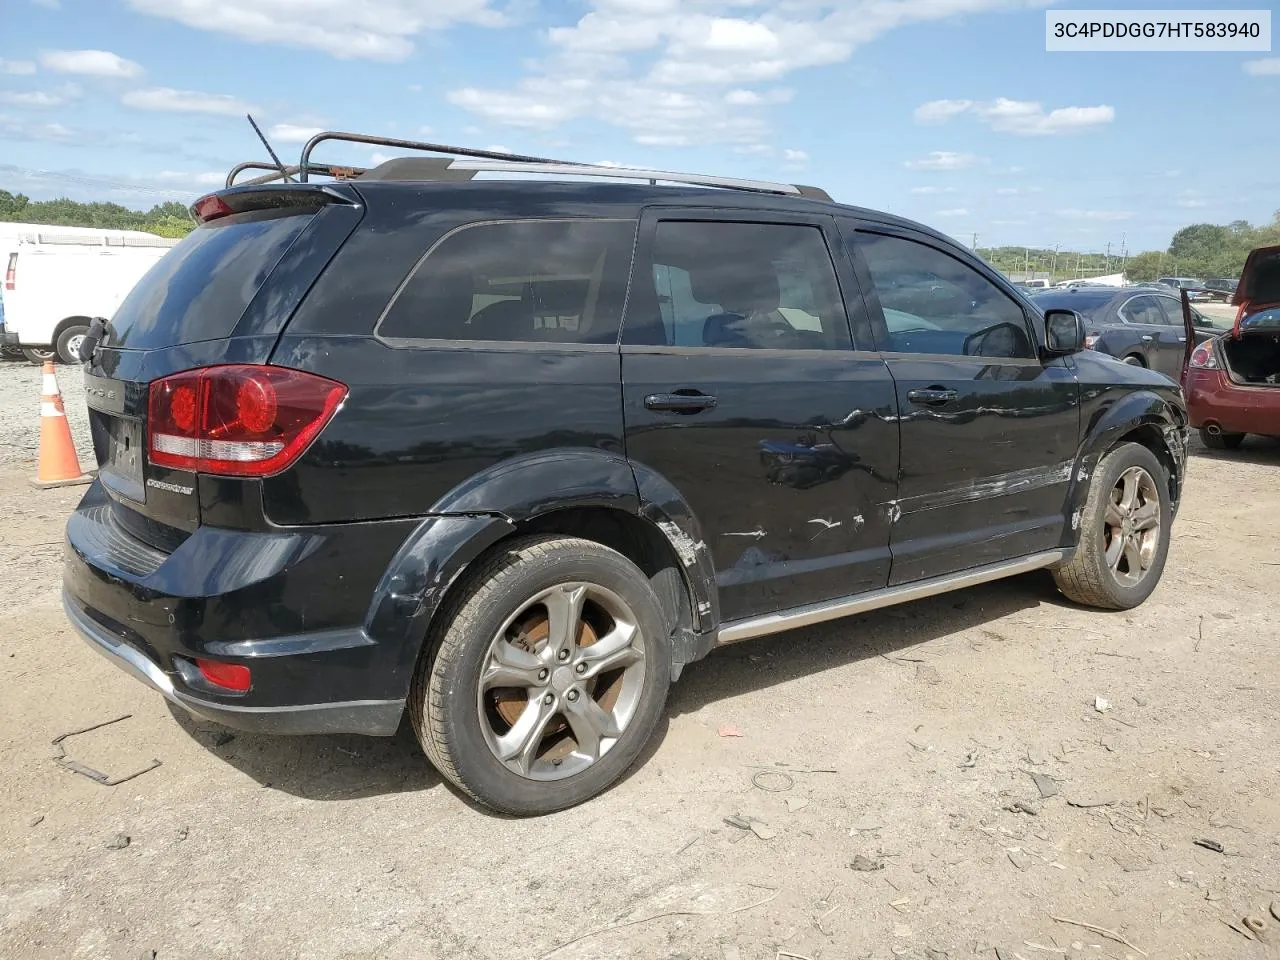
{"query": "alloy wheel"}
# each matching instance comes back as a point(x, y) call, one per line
point(1131, 534)
point(561, 681)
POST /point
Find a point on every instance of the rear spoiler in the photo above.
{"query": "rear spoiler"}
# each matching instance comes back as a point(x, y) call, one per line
point(256, 195)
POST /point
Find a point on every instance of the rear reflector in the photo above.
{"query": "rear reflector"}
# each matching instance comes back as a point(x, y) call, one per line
point(229, 676)
point(237, 420)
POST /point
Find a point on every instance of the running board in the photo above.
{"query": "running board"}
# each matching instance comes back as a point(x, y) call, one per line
point(737, 630)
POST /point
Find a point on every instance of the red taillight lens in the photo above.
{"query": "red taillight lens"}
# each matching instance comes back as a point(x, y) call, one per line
point(11, 272)
point(230, 676)
point(237, 421)
point(211, 208)
point(1203, 357)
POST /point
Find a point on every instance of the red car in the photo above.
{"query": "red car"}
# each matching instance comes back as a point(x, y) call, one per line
point(1232, 382)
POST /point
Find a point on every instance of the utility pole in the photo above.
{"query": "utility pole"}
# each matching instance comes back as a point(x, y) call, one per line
point(1054, 269)
point(1124, 252)
point(974, 245)
point(1106, 263)
point(1026, 269)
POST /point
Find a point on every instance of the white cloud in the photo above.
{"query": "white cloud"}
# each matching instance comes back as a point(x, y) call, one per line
point(1266, 67)
point(17, 68)
point(291, 133)
point(1017, 191)
point(931, 191)
point(795, 156)
point(199, 180)
point(498, 148)
point(1106, 216)
point(940, 111)
point(42, 99)
point(954, 212)
point(414, 88)
point(676, 72)
point(1192, 202)
point(1022, 117)
point(13, 129)
point(346, 29)
point(944, 160)
point(168, 100)
point(89, 63)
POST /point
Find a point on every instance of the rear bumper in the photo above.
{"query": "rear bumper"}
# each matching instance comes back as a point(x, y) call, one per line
point(1214, 398)
point(290, 605)
point(371, 717)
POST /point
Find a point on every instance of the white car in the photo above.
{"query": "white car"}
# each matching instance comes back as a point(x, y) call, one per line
point(53, 290)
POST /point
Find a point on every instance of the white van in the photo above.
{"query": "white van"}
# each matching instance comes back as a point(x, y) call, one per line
point(56, 283)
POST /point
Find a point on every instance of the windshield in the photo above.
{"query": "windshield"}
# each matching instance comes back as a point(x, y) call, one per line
point(202, 286)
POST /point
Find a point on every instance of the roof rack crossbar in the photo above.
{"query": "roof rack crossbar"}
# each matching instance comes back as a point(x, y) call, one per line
point(492, 161)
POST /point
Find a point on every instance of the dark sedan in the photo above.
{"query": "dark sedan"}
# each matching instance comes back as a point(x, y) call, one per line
point(1139, 325)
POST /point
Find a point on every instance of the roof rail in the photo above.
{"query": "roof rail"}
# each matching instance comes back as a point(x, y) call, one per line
point(469, 161)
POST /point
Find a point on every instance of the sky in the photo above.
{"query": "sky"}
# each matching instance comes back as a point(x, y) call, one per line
point(950, 112)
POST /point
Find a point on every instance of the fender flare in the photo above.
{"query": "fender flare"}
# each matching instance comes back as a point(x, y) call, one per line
point(1130, 412)
point(487, 508)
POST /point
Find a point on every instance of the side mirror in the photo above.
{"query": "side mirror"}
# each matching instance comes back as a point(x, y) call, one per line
point(1064, 332)
point(1202, 321)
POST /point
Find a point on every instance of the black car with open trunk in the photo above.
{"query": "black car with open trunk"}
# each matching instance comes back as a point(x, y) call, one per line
point(504, 456)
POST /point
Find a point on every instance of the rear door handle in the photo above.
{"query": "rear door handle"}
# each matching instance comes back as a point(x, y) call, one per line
point(1182, 339)
point(1147, 338)
point(680, 402)
point(933, 396)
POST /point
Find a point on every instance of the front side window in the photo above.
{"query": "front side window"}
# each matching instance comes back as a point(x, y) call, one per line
point(1143, 310)
point(934, 303)
point(539, 281)
point(755, 285)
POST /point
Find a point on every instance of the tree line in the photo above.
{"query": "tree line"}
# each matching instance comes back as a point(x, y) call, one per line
point(169, 219)
point(1203, 250)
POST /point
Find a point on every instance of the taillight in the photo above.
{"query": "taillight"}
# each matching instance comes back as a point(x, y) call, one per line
point(211, 208)
point(1203, 357)
point(237, 421)
point(11, 272)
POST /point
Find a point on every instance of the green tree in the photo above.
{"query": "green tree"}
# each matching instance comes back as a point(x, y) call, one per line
point(1144, 267)
point(169, 219)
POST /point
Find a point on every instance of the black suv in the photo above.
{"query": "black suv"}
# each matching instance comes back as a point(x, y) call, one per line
point(509, 454)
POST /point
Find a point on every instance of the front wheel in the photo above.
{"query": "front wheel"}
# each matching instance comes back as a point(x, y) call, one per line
point(1220, 440)
point(68, 345)
point(1134, 360)
point(548, 676)
point(1124, 532)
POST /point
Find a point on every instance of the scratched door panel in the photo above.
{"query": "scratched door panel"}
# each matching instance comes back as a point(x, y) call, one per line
point(984, 477)
point(791, 474)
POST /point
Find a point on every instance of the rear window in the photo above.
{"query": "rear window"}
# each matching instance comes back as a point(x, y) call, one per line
point(203, 285)
point(541, 281)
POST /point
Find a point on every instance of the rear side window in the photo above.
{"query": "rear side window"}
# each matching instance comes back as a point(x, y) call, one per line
point(537, 281)
point(1145, 310)
point(755, 285)
point(203, 285)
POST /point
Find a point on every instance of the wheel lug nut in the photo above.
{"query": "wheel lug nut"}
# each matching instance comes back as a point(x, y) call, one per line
point(581, 668)
point(548, 699)
point(572, 695)
point(564, 654)
point(542, 674)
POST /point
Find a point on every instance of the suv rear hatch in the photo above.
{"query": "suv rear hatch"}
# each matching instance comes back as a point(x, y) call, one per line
point(221, 296)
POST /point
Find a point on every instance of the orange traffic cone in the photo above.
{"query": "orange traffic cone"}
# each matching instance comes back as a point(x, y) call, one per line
point(59, 466)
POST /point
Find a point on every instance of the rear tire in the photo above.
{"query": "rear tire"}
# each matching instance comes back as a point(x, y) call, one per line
point(512, 705)
point(1121, 555)
point(1134, 360)
point(1222, 441)
point(68, 345)
point(38, 355)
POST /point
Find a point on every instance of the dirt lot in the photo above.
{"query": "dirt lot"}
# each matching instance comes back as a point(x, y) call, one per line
point(889, 758)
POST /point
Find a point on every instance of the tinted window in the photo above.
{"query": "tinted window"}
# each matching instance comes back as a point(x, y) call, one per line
point(1173, 311)
point(744, 285)
point(544, 281)
point(934, 303)
point(202, 286)
point(1144, 309)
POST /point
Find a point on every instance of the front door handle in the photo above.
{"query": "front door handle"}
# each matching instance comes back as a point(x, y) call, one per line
point(934, 396)
point(1147, 338)
point(1182, 339)
point(680, 402)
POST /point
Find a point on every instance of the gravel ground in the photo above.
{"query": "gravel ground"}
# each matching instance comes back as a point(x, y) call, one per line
point(989, 769)
point(20, 411)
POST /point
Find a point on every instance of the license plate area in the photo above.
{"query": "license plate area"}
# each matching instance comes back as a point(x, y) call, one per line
point(122, 465)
